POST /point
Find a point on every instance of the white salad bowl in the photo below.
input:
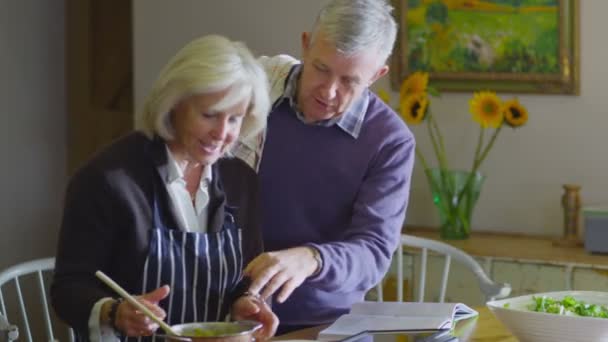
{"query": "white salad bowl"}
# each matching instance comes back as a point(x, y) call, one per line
point(531, 326)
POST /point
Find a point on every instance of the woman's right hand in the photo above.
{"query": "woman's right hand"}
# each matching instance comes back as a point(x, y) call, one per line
point(132, 322)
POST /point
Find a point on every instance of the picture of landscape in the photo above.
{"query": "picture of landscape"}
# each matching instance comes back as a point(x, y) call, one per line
point(494, 36)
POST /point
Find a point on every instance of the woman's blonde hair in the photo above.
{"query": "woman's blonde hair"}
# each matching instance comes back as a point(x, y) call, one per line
point(208, 64)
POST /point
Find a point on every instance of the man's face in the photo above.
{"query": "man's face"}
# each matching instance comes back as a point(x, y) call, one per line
point(331, 81)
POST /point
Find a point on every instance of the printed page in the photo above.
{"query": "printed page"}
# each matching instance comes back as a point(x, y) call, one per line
point(352, 324)
point(445, 310)
point(462, 311)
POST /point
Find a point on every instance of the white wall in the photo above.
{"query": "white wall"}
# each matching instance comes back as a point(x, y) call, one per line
point(33, 130)
point(564, 141)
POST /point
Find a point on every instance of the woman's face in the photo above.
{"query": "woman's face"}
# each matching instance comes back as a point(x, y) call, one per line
point(203, 131)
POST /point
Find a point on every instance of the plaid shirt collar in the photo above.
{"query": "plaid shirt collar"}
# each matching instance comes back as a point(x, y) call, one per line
point(350, 121)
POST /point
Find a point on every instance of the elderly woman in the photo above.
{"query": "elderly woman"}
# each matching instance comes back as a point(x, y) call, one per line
point(162, 211)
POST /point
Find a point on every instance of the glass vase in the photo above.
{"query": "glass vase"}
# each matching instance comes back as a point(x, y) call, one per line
point(455, 194)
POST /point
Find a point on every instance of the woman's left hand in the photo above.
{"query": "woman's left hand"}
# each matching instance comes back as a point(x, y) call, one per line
point(249, 307)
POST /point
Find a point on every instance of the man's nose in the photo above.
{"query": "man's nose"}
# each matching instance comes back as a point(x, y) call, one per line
point(330, 89)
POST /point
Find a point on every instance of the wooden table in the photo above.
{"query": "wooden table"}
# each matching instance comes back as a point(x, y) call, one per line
point(485, 328)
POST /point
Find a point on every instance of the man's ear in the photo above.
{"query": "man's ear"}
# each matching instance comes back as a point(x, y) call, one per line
point(381, 72)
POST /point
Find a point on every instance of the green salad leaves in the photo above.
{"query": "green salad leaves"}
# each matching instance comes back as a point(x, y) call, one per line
point(568, 306)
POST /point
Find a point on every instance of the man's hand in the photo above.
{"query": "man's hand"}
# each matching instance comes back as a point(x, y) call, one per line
point(285, 270)
point(253, 308)
point(133, 322)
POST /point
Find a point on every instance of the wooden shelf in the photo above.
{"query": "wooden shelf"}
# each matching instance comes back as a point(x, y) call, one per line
point(517, 247)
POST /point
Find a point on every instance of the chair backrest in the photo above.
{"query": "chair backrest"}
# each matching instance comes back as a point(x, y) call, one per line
point(19, 275)
point(489, 288)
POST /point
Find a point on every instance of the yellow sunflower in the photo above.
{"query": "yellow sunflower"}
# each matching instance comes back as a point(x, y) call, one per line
point(415, 83)
point(384, 96)
point(515, 114)
point(413, 108)
point(487, 109)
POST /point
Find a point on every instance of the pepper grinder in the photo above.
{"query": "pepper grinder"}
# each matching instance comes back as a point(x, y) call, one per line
point(571, 204)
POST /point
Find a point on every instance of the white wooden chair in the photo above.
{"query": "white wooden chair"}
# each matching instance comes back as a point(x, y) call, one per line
point(21, 275)
point(489, 288)
point(8, 332)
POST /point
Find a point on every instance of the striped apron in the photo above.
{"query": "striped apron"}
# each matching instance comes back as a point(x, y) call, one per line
point(201, 268)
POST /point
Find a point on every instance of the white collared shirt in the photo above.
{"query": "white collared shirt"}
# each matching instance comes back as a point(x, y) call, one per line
point(192, 218)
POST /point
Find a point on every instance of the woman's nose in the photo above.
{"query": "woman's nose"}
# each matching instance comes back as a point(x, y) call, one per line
point(220, 129)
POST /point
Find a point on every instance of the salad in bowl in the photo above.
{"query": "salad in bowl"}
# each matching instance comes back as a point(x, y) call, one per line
point(555, 316)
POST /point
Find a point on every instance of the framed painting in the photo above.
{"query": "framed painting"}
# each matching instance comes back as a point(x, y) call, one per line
point(520, 46)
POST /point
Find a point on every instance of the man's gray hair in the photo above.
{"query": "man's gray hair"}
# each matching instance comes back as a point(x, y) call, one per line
point(208, 64)
point(354, 26)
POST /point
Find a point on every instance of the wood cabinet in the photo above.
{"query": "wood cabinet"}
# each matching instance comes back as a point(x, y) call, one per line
point(530, 264)
point(99, 67)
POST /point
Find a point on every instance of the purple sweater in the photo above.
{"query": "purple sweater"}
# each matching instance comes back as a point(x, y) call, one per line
point(345, 196)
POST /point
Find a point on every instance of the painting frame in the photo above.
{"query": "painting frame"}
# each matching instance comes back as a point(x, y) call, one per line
point(565, 81)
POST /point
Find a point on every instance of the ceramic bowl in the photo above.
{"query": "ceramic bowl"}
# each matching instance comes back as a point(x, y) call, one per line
point(236, 331)
point(531, 326)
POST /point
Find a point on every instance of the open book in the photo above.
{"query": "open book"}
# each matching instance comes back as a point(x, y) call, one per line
point(396, 316)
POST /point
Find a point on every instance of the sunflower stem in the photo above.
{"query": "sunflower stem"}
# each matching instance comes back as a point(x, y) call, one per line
point(441, 144)
point(438, 153)
point(422, 160)
point(487, 149)
point(437, 140)
point(443, 164)
point(479, 144)
point(478, 162)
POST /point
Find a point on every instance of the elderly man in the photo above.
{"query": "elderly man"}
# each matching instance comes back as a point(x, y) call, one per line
point(335, 166)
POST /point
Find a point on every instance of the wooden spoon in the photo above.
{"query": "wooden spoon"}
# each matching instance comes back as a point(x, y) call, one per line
point(124, 294)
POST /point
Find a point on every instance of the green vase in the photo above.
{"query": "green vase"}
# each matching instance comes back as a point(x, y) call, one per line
point(454, 194)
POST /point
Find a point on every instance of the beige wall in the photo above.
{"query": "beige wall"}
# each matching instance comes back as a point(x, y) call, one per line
point(33, 129)
point(564, 141)
point(162, 27)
